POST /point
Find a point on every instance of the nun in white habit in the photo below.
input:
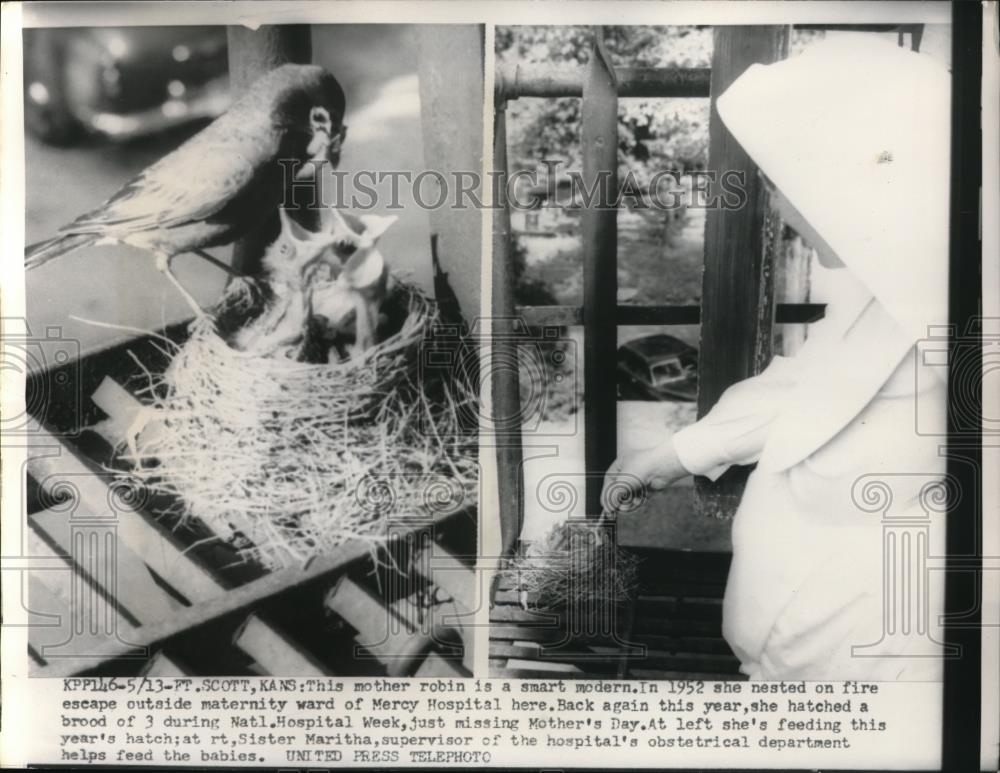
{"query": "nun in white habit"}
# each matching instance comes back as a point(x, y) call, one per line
point(852, 138)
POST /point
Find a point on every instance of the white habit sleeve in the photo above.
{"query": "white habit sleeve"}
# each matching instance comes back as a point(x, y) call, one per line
point(735, 430)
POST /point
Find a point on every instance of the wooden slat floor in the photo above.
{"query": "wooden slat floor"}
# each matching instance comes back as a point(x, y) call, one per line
point(172, 596)
point(672, 630)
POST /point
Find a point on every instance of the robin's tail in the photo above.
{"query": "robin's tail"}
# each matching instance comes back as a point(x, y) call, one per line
point(42, 252)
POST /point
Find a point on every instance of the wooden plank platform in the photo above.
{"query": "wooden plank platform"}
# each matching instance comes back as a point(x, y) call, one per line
point(161, 602)
point(276, 652)
point(134, 587)
point(67, 472)
point(672, 630)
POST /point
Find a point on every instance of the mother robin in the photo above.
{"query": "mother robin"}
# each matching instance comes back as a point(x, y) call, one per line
point(222, 182)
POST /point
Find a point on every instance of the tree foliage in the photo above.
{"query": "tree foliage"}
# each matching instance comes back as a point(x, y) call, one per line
point(653, 134)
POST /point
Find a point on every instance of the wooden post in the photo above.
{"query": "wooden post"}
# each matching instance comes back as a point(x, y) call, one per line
point(451, 116)
point(737, 287)
point(506, 387)
point(599, 145)
point(251, 54)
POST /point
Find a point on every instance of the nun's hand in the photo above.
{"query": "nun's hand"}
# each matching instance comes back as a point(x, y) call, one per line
point(632, 475)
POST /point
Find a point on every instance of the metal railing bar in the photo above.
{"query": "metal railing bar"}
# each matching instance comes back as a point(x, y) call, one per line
point(564, 316)
point(545, 81)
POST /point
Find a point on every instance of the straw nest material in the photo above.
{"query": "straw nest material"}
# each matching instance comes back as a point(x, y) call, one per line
point(578, 565)
point(287, 459)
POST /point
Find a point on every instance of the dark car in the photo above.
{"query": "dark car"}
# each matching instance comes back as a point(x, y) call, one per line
point(121, 82)
point(658, 367)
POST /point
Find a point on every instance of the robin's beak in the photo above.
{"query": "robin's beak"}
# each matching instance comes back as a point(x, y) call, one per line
point(319, 145)
point(325, 144)
point(335, 144)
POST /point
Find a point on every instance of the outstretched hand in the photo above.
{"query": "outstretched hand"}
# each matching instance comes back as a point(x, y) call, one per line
point(633, 474)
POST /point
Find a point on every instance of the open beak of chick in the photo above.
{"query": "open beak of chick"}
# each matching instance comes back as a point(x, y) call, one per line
point(361, 285)
point(307, 247)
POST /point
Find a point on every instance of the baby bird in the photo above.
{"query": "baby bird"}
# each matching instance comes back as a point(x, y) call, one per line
point(222, 182)
point(360, 287)
point(289, 264)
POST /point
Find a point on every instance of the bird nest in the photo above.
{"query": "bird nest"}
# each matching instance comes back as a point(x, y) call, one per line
point(287, 460)
point(576, 565)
